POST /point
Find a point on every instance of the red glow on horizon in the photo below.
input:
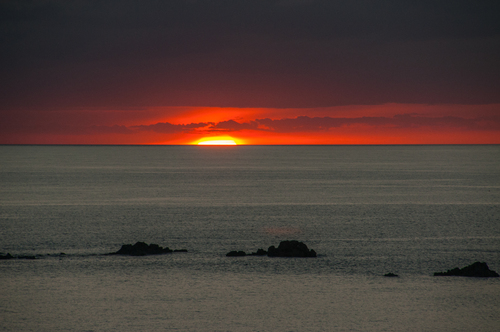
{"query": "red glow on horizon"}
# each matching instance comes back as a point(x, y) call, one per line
point(271, 139)
point(340, 125)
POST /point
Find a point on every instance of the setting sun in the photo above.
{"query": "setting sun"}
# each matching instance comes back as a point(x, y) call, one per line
point(218, 142)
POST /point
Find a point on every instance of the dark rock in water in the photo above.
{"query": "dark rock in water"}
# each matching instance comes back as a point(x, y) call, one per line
point(26, 257)
point(8, 256)
point(290, 249)
point(477, 269)
point(260, 252)
point(285, 249)
point(390, 274)
point(235, 253)
point(142, 249)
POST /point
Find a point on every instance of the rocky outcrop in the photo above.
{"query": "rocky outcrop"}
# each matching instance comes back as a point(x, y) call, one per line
point(143, 249)
point(260, 252)
point(285, 249)
point(390, 274)
point(290, 249)
point(8, 256)
point(477, 269)
point(234, 253)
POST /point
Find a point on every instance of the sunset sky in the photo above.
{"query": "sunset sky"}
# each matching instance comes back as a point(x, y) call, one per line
point(256, 72)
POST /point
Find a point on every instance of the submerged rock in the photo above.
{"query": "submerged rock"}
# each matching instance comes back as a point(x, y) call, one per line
point(477, 269)
point(142, 249)
point(290, 249)
point(390, 274)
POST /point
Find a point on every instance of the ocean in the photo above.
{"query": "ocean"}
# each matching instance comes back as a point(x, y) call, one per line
point(365, 210)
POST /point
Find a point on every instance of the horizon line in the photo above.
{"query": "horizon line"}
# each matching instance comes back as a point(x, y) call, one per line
point(196, 145)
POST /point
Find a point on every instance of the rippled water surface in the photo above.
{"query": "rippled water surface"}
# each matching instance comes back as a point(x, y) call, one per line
point(366, 210)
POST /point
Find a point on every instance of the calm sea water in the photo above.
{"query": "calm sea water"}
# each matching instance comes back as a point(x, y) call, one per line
point(366, 210)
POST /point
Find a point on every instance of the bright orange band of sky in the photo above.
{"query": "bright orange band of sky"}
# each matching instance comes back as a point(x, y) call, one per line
point(376, 124)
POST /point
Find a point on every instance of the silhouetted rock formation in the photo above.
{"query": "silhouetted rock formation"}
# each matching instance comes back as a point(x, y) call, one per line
point(390, 274)
point(235, 253)
point(285, 249)
point(477, 269)
point(290, 249)
point(260, 252)
point(8, 256)
point(142, 249)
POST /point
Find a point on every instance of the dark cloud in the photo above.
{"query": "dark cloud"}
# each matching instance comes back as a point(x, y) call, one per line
point(168, 128)
point(301, 124)
point(319, 124)
point(261, 53)
point(232, 125)
point(314, 124)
